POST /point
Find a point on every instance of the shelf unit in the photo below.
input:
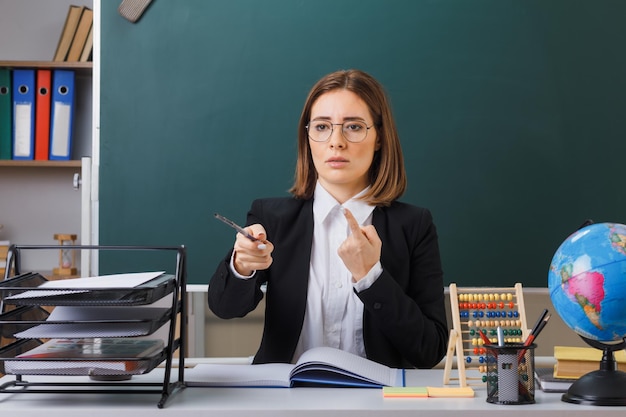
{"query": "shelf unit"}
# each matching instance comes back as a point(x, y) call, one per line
point(41, 164)
point(76, 219)
point(27, 305)
point(81, 68)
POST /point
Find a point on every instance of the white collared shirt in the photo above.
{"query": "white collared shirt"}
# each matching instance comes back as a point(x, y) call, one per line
point(334, 313)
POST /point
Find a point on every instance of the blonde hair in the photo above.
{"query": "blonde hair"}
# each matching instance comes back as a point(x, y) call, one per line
point(387, 175)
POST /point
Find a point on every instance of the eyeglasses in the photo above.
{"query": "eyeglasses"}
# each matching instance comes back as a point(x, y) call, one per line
point(354, 131)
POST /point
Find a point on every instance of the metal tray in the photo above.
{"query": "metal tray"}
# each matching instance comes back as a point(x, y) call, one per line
point(25, 289)
point(82, 321)
point(72, 366)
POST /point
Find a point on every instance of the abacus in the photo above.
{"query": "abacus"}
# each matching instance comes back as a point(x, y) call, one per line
point(476, 310)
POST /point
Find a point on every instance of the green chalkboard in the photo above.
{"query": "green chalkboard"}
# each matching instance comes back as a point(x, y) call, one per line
point(511, 116)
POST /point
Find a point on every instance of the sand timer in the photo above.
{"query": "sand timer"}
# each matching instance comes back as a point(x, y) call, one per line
point(67, 257)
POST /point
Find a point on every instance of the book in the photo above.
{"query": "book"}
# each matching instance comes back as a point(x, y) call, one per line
point(67, 33)
point(549, 383)
point(321, 366)
point(74, 356)
point(80, 37)
point(86, 55)
point(574, 362)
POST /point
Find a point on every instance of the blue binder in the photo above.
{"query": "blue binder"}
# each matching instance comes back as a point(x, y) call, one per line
point(62, 115)
point(23, 114)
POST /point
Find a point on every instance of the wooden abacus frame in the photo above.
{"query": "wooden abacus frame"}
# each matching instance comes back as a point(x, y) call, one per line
point(461, 338)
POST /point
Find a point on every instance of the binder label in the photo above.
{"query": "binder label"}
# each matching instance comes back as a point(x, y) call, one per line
point(61, 130)
point(23, 134)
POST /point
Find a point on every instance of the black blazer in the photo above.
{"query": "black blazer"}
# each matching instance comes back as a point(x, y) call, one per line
point(404, 318)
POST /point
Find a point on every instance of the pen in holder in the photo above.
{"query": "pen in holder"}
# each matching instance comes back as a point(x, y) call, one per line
point(511, 373)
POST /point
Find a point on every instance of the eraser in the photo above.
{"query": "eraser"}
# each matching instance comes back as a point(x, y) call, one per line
point(133, 9)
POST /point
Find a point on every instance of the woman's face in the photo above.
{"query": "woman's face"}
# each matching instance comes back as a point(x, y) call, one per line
point(343, 166)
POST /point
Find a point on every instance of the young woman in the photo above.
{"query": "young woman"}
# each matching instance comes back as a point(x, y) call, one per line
point(346, 264)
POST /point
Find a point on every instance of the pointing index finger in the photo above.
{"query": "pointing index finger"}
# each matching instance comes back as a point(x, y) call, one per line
point(352, 223)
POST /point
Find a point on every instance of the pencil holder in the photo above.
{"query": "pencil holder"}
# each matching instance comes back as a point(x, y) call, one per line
point(510, 373)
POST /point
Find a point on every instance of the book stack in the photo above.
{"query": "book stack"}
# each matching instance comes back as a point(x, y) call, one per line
point(76, 40)
point(574, 362)
point(549, 383)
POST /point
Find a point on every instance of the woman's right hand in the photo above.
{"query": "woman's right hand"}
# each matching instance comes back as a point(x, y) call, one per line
point(251, 255)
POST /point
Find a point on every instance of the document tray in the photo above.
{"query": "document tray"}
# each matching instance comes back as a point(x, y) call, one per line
point(21, 319)
point(17, 291)
point(71, 322)
point(73, 366)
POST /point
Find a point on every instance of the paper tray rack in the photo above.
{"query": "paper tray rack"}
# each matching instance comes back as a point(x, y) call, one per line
point(22, 313)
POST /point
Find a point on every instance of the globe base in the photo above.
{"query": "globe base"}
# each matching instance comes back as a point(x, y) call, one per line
point(606, 386)
point(601, 387)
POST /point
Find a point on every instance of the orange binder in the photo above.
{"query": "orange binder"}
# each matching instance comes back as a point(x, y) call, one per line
point(42, 115)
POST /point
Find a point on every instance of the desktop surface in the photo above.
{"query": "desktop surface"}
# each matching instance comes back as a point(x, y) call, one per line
point(261, 402)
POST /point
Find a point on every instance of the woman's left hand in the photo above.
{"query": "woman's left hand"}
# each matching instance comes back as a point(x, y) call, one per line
point(361, 250)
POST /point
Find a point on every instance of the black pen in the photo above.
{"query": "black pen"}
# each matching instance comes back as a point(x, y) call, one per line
point(538, 323)
point(240, 230)
point(541, 326)
point(541, 323)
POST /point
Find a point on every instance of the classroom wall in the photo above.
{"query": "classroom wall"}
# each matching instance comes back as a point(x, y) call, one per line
point(510, 114)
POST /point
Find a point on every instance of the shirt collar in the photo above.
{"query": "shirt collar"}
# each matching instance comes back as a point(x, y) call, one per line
point(324, 203)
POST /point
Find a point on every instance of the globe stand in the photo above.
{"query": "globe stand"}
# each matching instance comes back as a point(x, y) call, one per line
point(606, 386)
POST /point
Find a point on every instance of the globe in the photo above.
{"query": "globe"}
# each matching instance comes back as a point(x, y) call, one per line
point(587, 284)
point(587, 281)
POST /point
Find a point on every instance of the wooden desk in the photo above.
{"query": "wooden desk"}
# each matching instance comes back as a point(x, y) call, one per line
point(273, 402)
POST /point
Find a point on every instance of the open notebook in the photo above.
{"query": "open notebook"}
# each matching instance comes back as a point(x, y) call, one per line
point(322, 366)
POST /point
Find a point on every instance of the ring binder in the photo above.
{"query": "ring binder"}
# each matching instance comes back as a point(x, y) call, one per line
point(23, 114)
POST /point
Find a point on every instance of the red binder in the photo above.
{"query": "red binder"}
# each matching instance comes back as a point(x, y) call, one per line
point(42, 115)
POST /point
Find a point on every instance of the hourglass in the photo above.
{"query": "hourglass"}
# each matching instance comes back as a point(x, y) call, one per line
point(67, 257)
